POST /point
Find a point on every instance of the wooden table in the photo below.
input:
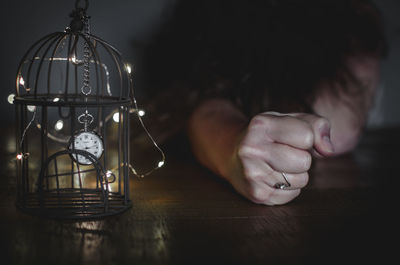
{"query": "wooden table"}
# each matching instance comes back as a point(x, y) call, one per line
point(183, 214)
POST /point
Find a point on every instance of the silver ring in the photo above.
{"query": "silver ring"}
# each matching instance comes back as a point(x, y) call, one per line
point(282, 185)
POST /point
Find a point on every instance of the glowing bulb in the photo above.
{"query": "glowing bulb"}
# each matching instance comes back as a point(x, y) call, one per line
point(20, 156)
point(21, 81)
point(109, 174)
point(31, 108)
point(116, 117)
point(160, 164)
point(59, 125)
point(128, 68)
point(10, 98)
point(141, 113)
point(56, 99)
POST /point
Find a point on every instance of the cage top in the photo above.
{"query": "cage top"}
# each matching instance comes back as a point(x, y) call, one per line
point(73, 67)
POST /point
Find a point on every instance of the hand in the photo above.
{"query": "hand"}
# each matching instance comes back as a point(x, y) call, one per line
point(274, 143)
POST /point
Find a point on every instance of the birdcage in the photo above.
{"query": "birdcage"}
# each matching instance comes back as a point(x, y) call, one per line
point(73, 103)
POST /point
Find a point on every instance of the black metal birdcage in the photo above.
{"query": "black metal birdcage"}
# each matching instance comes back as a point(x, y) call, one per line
point(73, 99)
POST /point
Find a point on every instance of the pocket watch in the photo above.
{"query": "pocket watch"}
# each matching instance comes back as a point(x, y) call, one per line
point(88, 141)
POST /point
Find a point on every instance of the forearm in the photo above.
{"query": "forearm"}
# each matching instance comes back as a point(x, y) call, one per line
point(214, 129)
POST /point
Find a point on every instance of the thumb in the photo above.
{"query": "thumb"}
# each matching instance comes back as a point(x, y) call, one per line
point(322, 134)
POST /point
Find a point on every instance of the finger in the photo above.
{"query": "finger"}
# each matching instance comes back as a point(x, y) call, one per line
point(264, 194)
point(279, 157)
point(256, 170)
point(315, 154)
point(278, 197)
point(322, 133)
point(284, 158)
point(282, 128)
point(296, 181)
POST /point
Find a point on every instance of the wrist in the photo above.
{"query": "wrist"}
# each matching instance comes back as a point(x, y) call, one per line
point(231, 165)
point(215, 129)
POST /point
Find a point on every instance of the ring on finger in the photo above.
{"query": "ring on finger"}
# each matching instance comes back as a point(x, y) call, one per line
point(282, 185)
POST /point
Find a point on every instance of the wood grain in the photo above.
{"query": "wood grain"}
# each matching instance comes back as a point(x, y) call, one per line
point(183, 214)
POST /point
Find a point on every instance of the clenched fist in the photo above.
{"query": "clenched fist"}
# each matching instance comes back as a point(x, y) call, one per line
point(274, 143)
point(256, 155)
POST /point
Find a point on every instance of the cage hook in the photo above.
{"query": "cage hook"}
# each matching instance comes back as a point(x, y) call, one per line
point(78, 16)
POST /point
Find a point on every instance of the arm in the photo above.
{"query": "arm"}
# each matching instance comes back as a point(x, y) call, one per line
point(252, 154)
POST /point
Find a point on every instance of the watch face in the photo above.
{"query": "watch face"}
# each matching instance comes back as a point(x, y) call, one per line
point(89, 142)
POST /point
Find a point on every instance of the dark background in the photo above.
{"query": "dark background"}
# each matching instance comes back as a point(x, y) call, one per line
point(130, 25)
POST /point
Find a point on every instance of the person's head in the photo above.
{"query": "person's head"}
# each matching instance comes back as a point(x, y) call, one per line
point(264, 53)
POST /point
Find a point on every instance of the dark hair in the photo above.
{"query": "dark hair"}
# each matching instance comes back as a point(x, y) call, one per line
point(249, 51)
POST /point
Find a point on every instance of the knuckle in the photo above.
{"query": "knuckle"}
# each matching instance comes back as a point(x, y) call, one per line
point(257, 121)
point(306, 161)
point(308, 137)
point(244, 151)
point(247, 151)
point(303, 180)
point(262, 120)
point(321, 122)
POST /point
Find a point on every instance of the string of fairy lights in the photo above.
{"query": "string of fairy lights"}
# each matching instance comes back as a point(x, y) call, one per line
point(114, 116)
